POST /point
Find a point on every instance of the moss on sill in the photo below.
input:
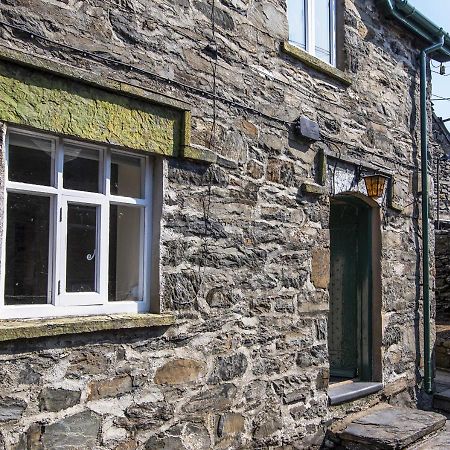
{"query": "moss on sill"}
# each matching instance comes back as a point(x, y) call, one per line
point(315, 63)
point(34, 328)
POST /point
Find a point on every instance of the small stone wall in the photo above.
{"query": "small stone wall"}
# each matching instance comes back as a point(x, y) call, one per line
point(441, 176)
point(443, 347)
point(440, 170)
point(442, 255)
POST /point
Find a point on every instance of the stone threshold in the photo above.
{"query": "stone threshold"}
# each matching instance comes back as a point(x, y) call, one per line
point(349, 391)
point(35, 328)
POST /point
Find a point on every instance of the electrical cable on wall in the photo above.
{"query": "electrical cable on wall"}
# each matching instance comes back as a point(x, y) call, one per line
point(149, 74)
point(215, 56)
point(441, 74)
point(194, 90)
point(436, 66)
point(206, 202)
point(331, 140)
point(160, 78)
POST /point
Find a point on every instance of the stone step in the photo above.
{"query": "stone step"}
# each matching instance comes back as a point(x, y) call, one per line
point(390, 428)
point(441, 401)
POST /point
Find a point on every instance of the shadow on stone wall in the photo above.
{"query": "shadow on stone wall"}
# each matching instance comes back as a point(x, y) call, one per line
point(142, 336)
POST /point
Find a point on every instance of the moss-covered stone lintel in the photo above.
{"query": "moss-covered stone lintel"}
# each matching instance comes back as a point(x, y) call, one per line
point(98, 109)
point(63, 106)
point(39, 63)
point(27, 329)
point(315, 63)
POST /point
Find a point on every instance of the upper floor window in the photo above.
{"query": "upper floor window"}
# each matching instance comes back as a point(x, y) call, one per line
point(312, 27)
point(78, 228)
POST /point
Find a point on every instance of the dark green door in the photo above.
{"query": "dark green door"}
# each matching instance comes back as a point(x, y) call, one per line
point(350, 287)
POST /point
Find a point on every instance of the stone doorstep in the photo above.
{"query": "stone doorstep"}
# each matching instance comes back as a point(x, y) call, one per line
point(391, 428)
point(441, 401)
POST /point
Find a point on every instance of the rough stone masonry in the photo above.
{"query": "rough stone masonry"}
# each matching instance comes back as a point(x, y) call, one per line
point(244, 249)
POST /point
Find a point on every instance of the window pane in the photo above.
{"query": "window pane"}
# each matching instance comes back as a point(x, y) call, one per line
point(126, 176)
point(81, 169)
point(30, 159)
point(297, 22)
point(27, 248)
point(124, 253)
point(323, 44)
point(81, 248)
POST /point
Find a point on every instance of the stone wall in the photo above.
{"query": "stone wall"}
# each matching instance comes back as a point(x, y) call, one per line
point(442, 257)
point(441, 177)
point(442, 348)
point(440, 145)
point(244, 250)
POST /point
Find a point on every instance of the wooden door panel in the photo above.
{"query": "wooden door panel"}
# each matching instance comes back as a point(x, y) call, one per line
point(343, 318)
point(349, 323)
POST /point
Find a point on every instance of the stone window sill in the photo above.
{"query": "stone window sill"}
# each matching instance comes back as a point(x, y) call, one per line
point(315, 63)
point(35, 328)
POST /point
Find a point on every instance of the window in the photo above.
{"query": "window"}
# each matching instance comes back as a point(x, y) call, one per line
point(312, 27)
point(78, 228)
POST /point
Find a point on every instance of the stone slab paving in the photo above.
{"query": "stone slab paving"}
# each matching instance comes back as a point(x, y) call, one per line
point(439, 442)
point(392, 428)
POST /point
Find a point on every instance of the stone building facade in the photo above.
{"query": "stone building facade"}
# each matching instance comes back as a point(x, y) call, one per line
point(235, 352)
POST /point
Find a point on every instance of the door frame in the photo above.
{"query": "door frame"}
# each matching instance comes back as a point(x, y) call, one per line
point(375, 282)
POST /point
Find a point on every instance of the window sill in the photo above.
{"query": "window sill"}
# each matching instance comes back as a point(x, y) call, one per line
point(27, 329)
point(315, 63)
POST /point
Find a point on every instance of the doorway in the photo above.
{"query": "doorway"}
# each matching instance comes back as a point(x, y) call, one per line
point(354, 333)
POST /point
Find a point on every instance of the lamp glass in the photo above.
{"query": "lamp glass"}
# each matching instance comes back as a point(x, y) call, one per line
point(375, 185)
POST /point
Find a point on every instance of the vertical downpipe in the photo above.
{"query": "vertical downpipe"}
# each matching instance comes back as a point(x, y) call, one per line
point(425, 214)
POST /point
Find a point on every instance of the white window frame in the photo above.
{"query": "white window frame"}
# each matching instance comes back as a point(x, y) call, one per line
point(61, 303)
point(310, 14)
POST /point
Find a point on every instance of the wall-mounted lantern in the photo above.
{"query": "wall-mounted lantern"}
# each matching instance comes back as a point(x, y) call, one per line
point(375, 185)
